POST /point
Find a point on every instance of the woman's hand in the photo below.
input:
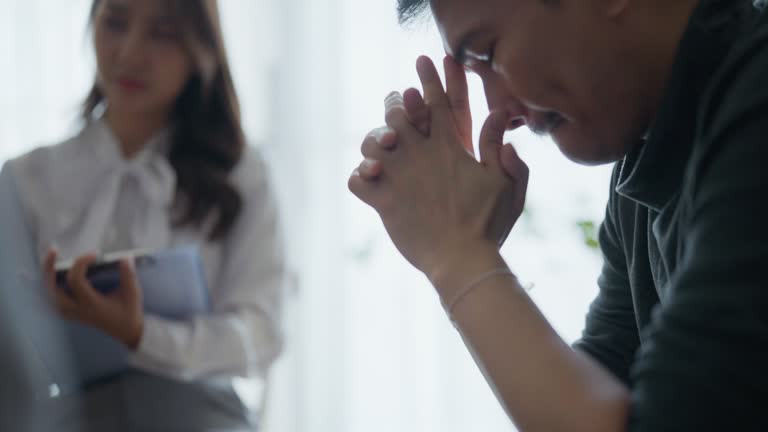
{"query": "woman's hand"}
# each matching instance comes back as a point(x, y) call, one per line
point(120, 314)
point(439, 205)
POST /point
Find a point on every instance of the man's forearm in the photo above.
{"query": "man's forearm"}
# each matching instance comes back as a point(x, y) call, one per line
point(543, 384)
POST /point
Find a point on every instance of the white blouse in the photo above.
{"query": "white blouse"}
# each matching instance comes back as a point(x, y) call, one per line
point(82, 196)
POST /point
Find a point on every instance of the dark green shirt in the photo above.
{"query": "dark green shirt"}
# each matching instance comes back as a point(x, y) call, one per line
point(682, 313)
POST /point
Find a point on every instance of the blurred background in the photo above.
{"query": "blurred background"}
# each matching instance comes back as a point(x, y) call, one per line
point(369, 346)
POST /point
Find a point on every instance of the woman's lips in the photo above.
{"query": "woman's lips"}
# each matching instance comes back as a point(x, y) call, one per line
point(131, 85)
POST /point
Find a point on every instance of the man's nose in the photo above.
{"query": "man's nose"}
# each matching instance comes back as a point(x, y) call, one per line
point(499, 98)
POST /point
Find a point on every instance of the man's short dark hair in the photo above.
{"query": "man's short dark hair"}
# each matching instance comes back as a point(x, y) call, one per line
point(408, 10)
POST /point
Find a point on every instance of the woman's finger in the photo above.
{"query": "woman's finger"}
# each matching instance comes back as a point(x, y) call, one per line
point(65, 305)
point(129, 283)
point(77, 279)
point(61, 301)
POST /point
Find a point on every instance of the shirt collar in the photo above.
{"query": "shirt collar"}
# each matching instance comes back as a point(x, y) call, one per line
point(106, 146)
point(651, 174)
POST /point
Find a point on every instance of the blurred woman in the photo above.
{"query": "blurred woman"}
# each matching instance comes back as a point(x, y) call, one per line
point(160, 162)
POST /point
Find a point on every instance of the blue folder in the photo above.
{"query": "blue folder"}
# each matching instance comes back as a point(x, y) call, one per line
point(173, 284)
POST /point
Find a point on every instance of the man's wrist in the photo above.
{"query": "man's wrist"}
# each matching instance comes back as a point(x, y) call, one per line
point(455, 269)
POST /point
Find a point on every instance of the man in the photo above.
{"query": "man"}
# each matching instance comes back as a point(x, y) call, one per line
point(671, 90)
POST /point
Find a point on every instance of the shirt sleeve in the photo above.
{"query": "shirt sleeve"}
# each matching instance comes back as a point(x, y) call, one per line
point(243, 335)
point(610, 335)
point(703, 367)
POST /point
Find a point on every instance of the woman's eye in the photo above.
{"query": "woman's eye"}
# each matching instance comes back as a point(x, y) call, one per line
point(115, 24)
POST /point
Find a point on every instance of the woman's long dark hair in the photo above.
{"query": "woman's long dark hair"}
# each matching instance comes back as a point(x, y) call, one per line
point(207, 140)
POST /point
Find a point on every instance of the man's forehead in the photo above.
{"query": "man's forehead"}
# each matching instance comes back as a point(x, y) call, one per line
point(444, 12)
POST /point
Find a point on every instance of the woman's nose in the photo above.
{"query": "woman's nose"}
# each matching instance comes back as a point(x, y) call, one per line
point(133, 50)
